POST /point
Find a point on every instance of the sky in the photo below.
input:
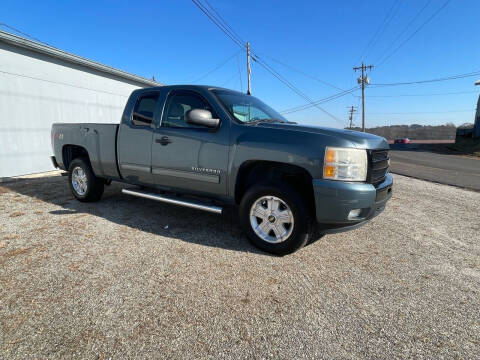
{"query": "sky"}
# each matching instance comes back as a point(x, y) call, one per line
point(176, 43)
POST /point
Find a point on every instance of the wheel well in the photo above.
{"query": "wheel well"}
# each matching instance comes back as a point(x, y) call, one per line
point(71, 152)
point(252, 172)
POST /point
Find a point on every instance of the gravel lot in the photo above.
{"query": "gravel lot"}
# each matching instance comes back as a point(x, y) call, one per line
point(111, 280)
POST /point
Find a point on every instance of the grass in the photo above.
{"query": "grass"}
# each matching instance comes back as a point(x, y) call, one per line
point(466, 145)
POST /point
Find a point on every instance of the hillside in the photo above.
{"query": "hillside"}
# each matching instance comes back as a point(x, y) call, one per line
point(414, 131)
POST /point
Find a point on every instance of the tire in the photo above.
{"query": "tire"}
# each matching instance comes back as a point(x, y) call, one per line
point(85, 186)
point(293, 235)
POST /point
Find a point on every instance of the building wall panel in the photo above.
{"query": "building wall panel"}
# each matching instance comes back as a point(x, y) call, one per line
point(38, 90)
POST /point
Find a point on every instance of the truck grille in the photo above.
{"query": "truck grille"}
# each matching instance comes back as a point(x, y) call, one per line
point(378, 162)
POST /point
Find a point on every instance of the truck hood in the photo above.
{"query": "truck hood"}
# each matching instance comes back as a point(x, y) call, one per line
point(358, 139)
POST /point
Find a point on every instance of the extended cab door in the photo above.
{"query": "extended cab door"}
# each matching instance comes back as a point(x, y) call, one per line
point(134, 143)
point(188, 157)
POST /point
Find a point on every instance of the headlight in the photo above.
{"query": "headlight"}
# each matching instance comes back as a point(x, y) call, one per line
point(345, 164)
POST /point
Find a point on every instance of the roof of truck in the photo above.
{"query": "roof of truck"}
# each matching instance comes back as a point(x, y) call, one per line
point(185, 86)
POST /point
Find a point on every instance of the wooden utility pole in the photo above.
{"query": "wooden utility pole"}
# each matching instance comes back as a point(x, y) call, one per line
point(363, 80)
point(476, 125)
point(249, 71)
point(350, 117)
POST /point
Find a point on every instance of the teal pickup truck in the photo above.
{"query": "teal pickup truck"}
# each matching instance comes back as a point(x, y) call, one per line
point(210, 148)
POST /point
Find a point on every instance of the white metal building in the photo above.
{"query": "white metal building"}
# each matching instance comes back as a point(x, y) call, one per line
point(40, 85)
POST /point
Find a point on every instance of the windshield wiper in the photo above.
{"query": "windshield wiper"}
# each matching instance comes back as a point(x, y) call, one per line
point(269, 121)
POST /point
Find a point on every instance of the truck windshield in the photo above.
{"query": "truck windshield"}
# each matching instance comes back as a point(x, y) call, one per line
point(246, 108)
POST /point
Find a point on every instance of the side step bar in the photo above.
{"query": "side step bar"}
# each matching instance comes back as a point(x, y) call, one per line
point(171, 200)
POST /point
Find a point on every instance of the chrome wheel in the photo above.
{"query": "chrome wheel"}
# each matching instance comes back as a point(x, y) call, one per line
point(271, 219)
point(79, 181)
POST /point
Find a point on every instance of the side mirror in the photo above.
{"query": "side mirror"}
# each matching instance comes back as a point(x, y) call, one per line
point(201, 117)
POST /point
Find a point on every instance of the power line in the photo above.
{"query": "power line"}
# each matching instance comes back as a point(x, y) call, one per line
point(225, 28)
point(229, 79)
point(415, 32)
point(296, 90)
point(223, 21)
point(422, 112)
point(305, 74)
point(320, 101)
point(396, 7)
point(217, 67)
point(383, 26)
point(405, 29)
point(235, 38)
point(293, 87)
point(23, 33)
point(432, 94)
point(62, 83)
point(395, 11)
point(447, 78)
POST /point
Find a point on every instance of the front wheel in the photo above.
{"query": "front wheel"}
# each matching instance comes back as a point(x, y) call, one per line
point(85, 186)
point(276, 218)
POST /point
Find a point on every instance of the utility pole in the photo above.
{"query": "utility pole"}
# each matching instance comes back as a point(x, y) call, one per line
point(363, 80)
point(351, 111)
point(476, 125)
point(249, 71)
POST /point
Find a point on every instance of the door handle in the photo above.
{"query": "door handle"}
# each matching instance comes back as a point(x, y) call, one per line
point(164, 140)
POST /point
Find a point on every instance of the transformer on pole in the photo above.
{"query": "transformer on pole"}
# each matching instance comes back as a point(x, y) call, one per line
point(363, 79)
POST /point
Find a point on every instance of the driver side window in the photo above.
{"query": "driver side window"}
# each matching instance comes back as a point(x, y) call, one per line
point(177, 106)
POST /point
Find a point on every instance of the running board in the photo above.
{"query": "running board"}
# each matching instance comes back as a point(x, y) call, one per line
point(171, 200)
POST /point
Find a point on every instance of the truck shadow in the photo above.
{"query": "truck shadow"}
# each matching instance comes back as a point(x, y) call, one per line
point(169, 221)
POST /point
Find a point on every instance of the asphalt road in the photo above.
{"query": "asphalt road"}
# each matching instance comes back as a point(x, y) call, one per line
point(442, 168)
point(130, 278)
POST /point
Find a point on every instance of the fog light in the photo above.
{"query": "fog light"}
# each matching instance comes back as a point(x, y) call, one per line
point(354, 214)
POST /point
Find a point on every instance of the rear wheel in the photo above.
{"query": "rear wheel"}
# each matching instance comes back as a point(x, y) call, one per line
point(275, 218)
point(85, 186)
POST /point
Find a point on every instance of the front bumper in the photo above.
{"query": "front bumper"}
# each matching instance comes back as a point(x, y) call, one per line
point(335, 199)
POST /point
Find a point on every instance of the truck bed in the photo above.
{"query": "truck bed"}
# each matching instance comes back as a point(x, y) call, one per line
point(98, 139)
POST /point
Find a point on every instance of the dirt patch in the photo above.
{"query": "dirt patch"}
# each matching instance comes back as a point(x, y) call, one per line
point(16, 252)
point(74, 267)
point(17, 214)
point(3, 190)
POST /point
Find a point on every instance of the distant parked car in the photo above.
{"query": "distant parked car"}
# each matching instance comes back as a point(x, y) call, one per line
point(402, 141)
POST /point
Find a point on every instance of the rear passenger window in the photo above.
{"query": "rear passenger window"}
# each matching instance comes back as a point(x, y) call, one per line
point(144, 110)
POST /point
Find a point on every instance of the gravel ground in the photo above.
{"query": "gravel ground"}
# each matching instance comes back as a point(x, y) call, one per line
point(132, 278)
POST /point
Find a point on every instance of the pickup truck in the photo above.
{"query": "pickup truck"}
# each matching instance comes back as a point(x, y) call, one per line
point(210, 148)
